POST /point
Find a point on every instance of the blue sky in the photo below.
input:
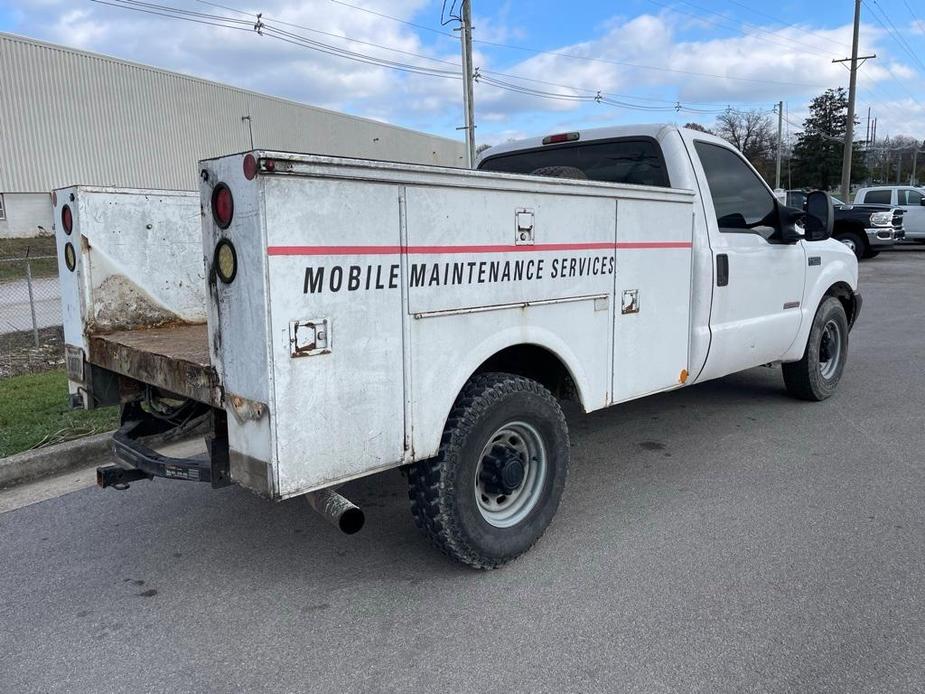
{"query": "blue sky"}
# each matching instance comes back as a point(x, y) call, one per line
point(647, 58)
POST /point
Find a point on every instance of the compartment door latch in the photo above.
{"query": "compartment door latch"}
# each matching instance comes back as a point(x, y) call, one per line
point(309, 337)
point(523, 227)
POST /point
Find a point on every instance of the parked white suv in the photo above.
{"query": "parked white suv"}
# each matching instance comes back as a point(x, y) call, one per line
point(907, 198)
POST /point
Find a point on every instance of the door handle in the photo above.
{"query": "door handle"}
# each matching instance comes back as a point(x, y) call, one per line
point(722, 269)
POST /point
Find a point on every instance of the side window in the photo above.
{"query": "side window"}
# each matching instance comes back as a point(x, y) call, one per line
point(881, 197)
point(796, 199)
point(742, 202)
point(910, 197)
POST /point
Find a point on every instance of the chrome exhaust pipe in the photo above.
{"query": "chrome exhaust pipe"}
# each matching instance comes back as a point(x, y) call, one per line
point(337, 510)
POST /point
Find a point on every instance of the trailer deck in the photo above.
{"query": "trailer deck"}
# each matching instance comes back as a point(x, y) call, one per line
point(175, 358)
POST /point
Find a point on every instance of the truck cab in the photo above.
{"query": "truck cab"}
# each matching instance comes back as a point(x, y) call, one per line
point(344, 316)
point(906, 198)
point(753, 285)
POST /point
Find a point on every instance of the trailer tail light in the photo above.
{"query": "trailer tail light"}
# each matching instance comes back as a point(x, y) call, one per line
point(250, 167)
point(70, 256)
point(222, 205)
point(67, 219)
point(561, 137)
point(225, 261)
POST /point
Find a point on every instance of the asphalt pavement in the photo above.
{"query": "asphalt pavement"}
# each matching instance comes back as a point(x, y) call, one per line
point(724, 538)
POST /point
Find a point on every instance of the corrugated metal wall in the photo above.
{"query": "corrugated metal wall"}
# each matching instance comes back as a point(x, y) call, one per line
point(68, 117)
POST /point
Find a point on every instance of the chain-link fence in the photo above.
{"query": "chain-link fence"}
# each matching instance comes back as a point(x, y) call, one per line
point(30, 314)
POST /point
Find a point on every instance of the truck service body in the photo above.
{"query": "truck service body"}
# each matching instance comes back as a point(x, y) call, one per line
point(337, 317)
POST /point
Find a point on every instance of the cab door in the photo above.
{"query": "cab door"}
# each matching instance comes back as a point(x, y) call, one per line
point(910, 200)
point(758, 280)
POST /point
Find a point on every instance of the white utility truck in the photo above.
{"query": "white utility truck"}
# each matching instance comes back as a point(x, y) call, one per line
point(330, 318)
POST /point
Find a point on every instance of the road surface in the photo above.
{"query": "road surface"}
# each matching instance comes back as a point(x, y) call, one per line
point(724, 538)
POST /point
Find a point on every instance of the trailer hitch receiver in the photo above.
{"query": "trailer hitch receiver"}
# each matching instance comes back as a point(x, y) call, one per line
point(138, 461)
point(118, 477)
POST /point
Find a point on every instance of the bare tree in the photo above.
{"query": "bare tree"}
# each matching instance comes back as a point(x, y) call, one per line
point(697, 126)
point(753, 134)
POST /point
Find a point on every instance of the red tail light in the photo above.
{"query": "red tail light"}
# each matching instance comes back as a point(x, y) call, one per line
point(222, 205)
point(560, 137)
point(67, 219)
point(250, 167)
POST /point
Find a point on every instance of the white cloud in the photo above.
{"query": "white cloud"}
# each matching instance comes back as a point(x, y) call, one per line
point(793, 64)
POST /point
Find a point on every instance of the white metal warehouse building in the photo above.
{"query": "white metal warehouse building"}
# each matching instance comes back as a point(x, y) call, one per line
point(71, 117)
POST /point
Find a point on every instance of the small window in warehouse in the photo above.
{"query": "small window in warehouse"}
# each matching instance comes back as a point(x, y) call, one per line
point(2, 208)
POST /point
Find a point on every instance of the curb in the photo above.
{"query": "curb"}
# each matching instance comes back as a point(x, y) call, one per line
point(41, 462)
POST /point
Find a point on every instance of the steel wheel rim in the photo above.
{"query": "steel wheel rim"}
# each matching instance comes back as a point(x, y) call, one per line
point(849, 243)
point(830, 349)
point(515, 439)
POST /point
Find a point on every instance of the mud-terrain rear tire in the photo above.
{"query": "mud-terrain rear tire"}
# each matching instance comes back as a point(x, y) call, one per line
point(854, 241)
point(496, 482)
point(816, 375)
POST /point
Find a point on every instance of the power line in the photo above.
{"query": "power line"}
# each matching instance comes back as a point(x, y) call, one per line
point(394, 19)
point(791, 44)
point(571, 56)
point(656, 68)
point(267, 28)
point(786, 25)
point(894, 32)
point(918, 22)
point(886, 63)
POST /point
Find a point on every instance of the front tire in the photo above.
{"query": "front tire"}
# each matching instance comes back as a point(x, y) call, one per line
point(816, 375)
point(495, 484)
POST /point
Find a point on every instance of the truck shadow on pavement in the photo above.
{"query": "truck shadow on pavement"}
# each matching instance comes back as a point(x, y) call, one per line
point(187, 530)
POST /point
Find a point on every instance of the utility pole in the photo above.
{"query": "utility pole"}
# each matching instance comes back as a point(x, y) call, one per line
point(465, 38)
point(780, 142)
point(915, 164)
point(852, 88)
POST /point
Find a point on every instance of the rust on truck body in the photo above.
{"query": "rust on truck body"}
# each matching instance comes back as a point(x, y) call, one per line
point(175, 358)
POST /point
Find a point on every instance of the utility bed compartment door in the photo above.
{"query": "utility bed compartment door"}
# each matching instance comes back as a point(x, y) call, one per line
point(652, 297)
point(474, 248)
point(334, 268)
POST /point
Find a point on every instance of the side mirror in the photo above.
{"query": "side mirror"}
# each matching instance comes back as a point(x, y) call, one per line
point(790, 219)
point(922, 202)
point(820, 216)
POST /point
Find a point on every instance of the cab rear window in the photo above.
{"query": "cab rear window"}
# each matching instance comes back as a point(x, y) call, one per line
point(632, 160)
point(881, 197)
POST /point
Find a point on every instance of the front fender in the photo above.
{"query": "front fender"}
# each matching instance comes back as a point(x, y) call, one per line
point(836, 265)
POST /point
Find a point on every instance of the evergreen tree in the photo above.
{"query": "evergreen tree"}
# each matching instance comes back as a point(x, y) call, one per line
point(818, 153)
